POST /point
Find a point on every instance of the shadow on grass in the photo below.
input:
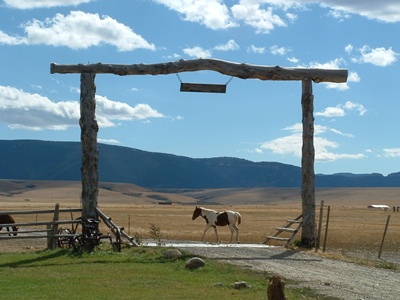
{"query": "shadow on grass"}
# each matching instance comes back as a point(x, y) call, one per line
point(40, 258)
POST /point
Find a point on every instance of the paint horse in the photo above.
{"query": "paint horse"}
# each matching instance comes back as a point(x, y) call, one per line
point(8, 219)
point(214, 219)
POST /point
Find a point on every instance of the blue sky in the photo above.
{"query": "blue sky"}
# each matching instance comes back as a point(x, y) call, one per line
point(356, 123)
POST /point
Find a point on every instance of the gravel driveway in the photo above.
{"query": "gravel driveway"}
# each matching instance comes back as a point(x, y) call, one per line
point(330, 277)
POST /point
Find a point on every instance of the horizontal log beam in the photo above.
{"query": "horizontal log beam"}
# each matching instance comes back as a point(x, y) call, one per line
point(42, 223)
point(243, 71)
point(46, 211)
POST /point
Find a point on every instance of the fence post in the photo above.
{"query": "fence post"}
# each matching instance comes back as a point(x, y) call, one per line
point(49, 239)
point(53, 239)
point(129, 224)
point(326, 228)
point(384, 235)
point(321, 214)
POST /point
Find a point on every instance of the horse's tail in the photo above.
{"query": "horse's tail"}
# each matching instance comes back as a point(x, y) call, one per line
point(239, 218)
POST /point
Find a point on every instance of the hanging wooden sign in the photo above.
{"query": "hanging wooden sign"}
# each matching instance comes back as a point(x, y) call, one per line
point(203, 88)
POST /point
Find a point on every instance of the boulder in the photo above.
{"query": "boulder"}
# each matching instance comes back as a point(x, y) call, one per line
point(240, 285)
point(194, 263)
point(172, 254)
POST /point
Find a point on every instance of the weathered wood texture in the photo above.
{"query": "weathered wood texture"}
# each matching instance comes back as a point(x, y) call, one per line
point(90, 153)
point(203, 88)
point(307, 165)
point(244, 71)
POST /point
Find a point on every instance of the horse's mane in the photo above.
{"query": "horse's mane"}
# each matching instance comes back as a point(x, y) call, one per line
point(207, 209)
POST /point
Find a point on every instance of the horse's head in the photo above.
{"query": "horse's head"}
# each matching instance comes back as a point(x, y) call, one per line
point(196, 213)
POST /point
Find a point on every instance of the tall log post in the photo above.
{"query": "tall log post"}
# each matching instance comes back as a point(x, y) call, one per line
point(307, 165)
point(90, 154)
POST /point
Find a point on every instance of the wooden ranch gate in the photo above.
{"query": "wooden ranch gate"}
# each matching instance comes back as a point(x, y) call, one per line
point(56, 232)
point(89, 127)
point(41, 229)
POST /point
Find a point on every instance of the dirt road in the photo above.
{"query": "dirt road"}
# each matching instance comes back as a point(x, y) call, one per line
point(330, 277)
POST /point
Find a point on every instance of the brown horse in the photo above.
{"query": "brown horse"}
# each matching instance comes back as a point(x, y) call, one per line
point(8, 219)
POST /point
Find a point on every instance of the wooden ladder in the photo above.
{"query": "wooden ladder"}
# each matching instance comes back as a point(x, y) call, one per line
point(287, 228)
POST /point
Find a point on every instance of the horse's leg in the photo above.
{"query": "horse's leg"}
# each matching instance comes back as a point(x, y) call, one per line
point(231, 229)
point(8, 230)
point(237, 232)
point(216, 233)
point(205, 230)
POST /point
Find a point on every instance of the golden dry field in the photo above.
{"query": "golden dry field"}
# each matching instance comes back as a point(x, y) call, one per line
point(352, 227)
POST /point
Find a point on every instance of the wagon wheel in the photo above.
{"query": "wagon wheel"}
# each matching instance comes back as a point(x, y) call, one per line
point(64, 241)
point(77, 242)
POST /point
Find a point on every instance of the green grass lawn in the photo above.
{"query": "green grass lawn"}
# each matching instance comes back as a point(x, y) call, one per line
point(135, 273)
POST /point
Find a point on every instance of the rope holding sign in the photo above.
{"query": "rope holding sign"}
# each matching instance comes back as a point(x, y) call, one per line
point(230, 79)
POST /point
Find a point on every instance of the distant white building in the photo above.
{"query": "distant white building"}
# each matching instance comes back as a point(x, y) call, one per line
point(378, 206)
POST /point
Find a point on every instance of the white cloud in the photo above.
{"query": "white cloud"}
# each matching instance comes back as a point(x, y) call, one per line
point(108, 141)
point(355, 106)
point(353, 77)
point(349, 48)
point(230, 45)
point(265, 15)
point(392, 152)
point(78, 30)
point(21, 110)
point(263, 20)
point(29, 4)
point(276, 50)
point(114, 110)
point(11, 40)
point(213, 14)
point(254, 49)
point(387, 10)
point(291, 17)
point(197, 52)
point(292, 144)
point(339, 14)
point(381, 57)
point(333, 64)
point(332, 112)
point(293, 60)
point(172, 56)
point(340, 110)
point(338, 132)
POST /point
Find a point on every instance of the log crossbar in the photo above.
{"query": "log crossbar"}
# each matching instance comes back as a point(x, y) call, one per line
point(243, 71)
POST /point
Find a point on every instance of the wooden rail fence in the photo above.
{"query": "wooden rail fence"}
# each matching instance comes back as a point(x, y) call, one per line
point(32, 230)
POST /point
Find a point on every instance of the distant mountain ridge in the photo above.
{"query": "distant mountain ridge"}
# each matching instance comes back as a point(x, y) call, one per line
point(46, 160)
